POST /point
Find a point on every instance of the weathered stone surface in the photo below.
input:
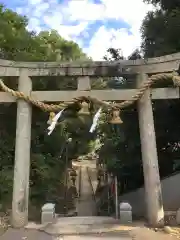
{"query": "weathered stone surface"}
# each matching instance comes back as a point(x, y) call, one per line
point(22, 155)
point(81, 225)
point(89, 68)
point(48, 213)
point(125, 213)
point(152, 183)
point(178, 216)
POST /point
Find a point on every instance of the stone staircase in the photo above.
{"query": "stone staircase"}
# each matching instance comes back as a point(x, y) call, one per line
point(86, 221)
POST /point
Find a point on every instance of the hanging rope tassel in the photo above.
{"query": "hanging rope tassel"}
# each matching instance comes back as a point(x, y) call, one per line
point(95, 120)
point(51, 116)
point(54, 122)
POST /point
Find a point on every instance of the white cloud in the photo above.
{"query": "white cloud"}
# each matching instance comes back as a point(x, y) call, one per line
point(131, 12)
point(74, 17)
point(41, 9)
point(34, 2)
point(66, 31)
point(34, 24)
point(84, 10)
point(105, 38)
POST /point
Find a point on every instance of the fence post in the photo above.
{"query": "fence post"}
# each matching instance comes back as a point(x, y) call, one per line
point(116, 197)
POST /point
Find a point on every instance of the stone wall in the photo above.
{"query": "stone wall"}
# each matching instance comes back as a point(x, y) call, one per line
point(170, 194)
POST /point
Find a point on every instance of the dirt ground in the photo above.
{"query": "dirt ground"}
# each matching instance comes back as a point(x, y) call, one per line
point(135, 233)
point(149, 234)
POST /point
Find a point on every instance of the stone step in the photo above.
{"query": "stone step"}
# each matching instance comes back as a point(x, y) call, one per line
point(79, 225)
point(111, 236)
point(87, 220)
point(82, 229)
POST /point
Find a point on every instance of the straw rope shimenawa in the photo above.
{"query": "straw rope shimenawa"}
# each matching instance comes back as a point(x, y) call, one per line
point(56, 107)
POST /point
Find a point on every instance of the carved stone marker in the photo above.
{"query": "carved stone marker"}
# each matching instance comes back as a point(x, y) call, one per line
point(178, 216)
point(125, 213)
point(47, 213)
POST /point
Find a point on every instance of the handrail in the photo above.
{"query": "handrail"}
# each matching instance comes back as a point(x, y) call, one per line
point(103, 200)
point(106, 200)
point(93, 193)
point(101, 203)
point(79, 183)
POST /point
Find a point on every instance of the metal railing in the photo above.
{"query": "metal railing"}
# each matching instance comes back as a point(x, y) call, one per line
point(79, 182)
point(105, 198)
point(90, 181)
point(102, 199)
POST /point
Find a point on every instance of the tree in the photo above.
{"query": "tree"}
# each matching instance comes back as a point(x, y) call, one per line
point(113, 53)
point(165, 4)
point(136, 54)
point(159, 29)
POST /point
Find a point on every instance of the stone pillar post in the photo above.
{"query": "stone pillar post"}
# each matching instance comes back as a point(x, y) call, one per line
point(153, 195)
point(84, 83)
point(22, 155)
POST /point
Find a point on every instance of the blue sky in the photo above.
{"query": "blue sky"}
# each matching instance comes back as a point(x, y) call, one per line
point(95, 25)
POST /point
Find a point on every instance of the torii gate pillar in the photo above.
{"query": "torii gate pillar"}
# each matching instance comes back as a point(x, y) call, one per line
point(22, 156)
point(152, 183)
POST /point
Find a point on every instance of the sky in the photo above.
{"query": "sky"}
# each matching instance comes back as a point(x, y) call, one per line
point(95, 25)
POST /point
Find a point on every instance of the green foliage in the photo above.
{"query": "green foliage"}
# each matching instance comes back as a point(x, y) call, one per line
point(159, 31)
point(120, 149)
point(113, 53)
point(136, 54)
point(165, 4)
point(19, 44)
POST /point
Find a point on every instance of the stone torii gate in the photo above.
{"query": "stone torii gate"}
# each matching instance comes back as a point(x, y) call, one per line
point(83, 71)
